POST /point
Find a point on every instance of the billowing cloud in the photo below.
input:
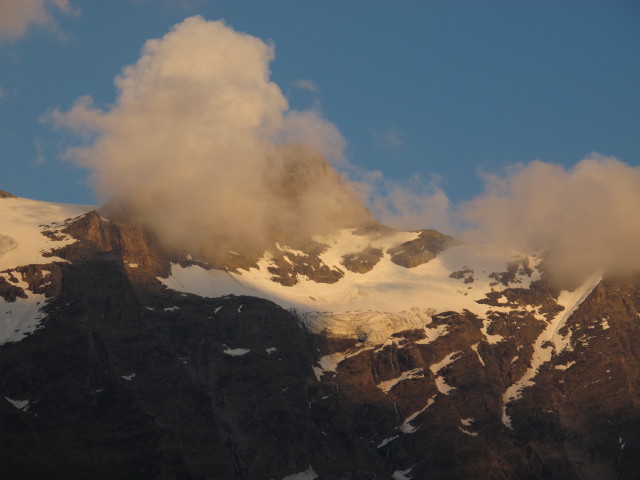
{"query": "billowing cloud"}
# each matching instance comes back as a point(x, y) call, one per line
point(17, 15)
point(203, 146)
point(585, 217)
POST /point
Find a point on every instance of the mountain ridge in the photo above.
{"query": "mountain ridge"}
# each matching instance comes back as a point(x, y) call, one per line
point(123, 374)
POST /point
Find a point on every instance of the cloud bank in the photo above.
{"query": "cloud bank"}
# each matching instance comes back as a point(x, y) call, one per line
point(203, 146)
point(586, 217)
point(17, 15)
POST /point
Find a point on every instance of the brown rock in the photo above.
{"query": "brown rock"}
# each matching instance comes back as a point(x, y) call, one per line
point(421, 250)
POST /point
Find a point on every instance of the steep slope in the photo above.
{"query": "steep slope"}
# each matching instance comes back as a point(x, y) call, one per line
point(367, 353)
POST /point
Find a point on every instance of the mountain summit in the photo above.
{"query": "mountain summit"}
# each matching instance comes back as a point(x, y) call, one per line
point(358, 352)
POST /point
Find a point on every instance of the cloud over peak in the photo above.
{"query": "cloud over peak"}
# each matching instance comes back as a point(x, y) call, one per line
point(585, 217)
point(198, 136)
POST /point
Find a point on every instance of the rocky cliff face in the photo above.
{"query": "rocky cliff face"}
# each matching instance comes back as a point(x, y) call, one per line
point(120, 376)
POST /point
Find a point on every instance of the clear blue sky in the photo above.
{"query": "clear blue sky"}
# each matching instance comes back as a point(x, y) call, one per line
point(415, 86)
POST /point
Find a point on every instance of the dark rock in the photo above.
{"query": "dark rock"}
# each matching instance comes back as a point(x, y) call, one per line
point(421, 250)
point(287, 265)
point(362, 262)
point(10, 292)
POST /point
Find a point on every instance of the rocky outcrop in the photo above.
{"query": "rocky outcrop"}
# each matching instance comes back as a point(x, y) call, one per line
point(424, 248)
point(286, 267)
point(4, 194)
point(364, 261)
point(9, 291)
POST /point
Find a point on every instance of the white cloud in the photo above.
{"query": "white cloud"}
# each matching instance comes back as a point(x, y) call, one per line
point(205, 148)
point(586, 217)
point(16, 16)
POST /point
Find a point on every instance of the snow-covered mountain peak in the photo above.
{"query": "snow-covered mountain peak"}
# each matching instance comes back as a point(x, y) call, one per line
point(416, 348)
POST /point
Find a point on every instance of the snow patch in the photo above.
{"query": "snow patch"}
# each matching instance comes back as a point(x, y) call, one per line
point(406, 426)
point(491, 339)
point(387, 385)
point(329, 363)
point(308, 474)
point(235, 352)
point(290, 250)
point(474, 347)
point(318, 372)
point(402, 474)
point(432, 334)
point(441, 384)
point(23, 316)
point(564, 367)
point(387, 441)
point(19, 404)
point(388, 342)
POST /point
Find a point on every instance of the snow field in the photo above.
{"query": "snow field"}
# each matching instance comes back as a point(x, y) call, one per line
point(385, 300)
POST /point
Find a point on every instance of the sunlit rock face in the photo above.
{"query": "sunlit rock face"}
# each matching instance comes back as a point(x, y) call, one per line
point(361, 352)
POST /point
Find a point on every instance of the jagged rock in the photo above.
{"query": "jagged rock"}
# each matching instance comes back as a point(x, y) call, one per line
point(10, 292)
point(362, 262)
point(287, 267)
point(421, 250)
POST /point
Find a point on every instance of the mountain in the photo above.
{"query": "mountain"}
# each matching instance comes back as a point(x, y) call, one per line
point(366, 353)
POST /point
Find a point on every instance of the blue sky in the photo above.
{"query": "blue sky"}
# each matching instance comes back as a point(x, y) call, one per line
point(439, 89)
